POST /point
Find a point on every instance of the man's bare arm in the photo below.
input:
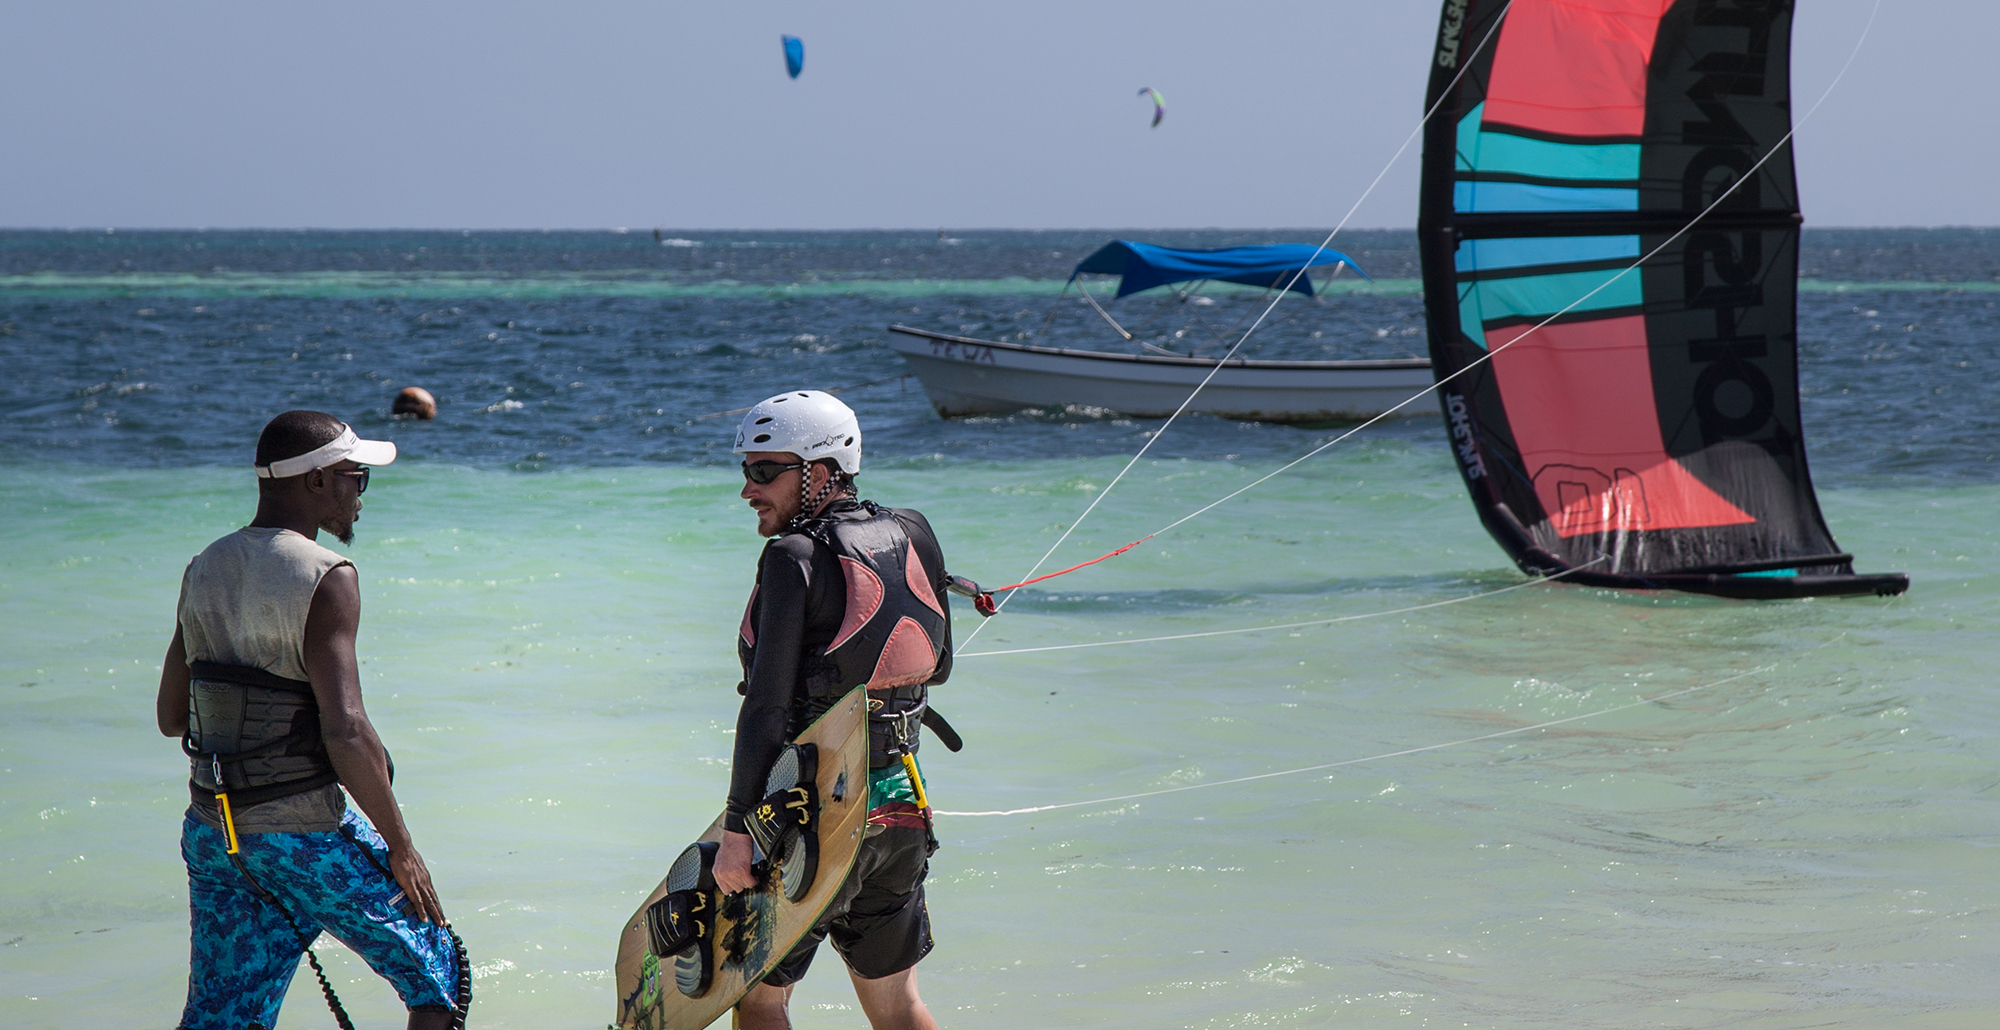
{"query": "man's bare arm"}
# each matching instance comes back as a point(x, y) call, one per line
point(351, 742)
point(171, 708)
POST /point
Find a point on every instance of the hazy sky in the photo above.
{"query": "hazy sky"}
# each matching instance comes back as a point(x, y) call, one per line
point(1018, 114)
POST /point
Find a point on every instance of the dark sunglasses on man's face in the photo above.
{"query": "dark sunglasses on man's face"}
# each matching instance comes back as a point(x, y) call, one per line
point(763, 472)
point(360, 478)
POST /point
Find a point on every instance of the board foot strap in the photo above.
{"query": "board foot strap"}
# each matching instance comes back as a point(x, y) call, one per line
point(784, 825)
point(681, 925)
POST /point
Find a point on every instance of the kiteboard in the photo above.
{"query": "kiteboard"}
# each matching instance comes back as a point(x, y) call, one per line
point(753, 931)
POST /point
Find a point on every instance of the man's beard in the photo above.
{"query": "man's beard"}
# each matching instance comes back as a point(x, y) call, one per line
point(341, 532)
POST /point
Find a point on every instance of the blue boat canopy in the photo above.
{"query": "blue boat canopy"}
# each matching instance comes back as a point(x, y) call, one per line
point(1145, 266)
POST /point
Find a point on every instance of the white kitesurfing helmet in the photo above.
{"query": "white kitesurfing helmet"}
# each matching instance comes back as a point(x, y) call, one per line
point(812, 424)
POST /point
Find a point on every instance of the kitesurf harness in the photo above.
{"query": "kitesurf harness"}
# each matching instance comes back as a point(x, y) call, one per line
point(891, 639)
point(252, 735)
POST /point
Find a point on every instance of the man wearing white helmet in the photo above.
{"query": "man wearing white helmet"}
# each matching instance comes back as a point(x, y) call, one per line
point(803, 646)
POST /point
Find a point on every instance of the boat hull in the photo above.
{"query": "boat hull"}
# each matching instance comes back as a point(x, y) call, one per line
point(964, 376)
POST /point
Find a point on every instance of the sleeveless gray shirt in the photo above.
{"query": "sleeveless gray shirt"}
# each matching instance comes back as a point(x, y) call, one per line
point(244, 601)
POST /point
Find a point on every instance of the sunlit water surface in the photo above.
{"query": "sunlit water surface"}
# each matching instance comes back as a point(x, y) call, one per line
point(1801, 835)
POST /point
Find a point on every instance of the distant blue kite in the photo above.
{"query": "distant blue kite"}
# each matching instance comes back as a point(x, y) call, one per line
point(795, 55)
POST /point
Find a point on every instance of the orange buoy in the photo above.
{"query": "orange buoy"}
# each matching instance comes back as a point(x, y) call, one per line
point(416, 402)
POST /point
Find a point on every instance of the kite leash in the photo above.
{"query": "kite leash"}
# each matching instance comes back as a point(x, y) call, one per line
point(982, 598)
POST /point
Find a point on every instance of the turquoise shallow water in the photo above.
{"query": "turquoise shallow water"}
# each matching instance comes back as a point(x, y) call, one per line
point(1800, 835)
point(1807, 842)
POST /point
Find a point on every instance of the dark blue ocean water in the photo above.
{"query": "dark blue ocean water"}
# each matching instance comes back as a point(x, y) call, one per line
point(599, 348)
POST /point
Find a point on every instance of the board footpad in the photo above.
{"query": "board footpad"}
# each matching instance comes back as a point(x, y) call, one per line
point(682, 924)
point(785, 824)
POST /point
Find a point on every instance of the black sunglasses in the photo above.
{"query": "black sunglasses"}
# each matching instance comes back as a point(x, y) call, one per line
point(764, 472)
point(360, 475)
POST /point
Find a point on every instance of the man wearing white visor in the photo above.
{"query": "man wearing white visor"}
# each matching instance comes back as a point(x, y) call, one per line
point(261, 685)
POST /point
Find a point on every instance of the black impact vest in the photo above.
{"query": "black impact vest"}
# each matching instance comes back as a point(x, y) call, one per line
point(262, 728)
point(891, 639)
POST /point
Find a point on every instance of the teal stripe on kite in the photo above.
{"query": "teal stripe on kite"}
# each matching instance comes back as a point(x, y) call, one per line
point(1479, 197)
point(1504, 152)
point(1468, 138)
point(1487, 255)
point(1519, 155)
point(1538, 296)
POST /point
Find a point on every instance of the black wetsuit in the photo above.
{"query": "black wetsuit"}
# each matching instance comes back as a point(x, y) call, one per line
point(801, 599)
point(878, 920)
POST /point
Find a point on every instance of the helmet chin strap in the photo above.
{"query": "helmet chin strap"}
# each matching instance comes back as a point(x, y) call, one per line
point(810, 499)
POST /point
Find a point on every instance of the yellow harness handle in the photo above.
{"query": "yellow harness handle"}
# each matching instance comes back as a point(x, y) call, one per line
point(222, 802)
point(228, 822)
point(916, 781)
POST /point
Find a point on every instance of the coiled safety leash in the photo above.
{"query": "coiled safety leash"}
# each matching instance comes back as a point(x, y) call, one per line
point(462, 1000)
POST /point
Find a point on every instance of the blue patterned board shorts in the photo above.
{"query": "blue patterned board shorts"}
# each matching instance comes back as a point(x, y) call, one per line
point(244, 951)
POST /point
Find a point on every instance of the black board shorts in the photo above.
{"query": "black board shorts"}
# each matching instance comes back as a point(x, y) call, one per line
point(878, 921)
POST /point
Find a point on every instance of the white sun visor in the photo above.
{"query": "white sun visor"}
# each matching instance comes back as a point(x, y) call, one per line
point(343, 447)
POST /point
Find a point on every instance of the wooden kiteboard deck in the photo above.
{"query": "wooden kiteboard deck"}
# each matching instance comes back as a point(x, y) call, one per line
point(752, 937)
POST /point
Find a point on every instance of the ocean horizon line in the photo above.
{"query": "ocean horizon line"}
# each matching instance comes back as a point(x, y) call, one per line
point(629, 230)
point(639, 283)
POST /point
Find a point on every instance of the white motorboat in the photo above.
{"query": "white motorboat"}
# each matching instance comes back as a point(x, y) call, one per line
point(964, 376)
